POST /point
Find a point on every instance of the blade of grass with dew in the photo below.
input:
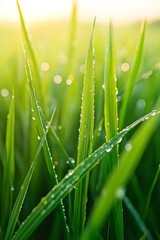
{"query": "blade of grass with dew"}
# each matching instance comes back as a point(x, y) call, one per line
point(29, 46)
point(148, 199)
point(133, 74)
point(85, 140)
point(111, 126)
point(66, 185)
point(9, 167)
point(138, 220)
point(120, 176)
point(46, 150)
point(24, 188)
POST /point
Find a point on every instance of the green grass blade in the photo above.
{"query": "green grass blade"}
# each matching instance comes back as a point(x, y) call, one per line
point(85, 139)
point(148, 199)
point(111, 125)
point(41, 130)
point(132, 79)
point(120, 176)
point(24, 188)
point(138, 220)
point(53, 198)
point(9, 167)
point(30, 48)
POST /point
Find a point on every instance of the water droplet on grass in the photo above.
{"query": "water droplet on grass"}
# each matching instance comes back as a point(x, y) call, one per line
point(153, 113)
point(120, 140)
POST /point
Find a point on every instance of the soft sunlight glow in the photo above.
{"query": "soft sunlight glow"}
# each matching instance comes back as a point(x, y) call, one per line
point(119, 10)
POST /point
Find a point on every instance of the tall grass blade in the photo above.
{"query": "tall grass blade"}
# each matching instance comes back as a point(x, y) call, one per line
point(53, 198)
point(120, 176)
point(133, 75)
point(24, 188)
point(9, 168)
point(85, 140)
point(41, 130)
point(111, 126)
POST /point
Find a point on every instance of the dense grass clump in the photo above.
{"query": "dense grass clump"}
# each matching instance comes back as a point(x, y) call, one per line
point(79, 131)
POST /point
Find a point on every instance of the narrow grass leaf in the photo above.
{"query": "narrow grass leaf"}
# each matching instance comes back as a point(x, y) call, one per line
point(9, 167)
point(53, 198)
point(148, 199)
point(85, 139)
point(24, 188)
point(120, 176)
point(41, 130)
point(133, 75)
point(138, 220)
point(111, 125)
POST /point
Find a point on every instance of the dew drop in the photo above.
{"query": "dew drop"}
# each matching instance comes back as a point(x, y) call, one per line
point(120, 140)
point(153, 113)
point(38, 137)
point(12, 189)
point(33, 118)
point(108, 149)
point(70, 172)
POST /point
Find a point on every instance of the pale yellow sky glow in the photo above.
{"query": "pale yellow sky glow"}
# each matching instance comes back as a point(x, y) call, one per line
point(119, 10)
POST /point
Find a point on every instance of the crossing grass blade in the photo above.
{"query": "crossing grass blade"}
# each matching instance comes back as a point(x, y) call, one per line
point(53, 198)
point(41, 130)
point(120, 176)
point(111, 126)
point(8, 168)
point(30, 49)
point(133, 75)
point(24, 188)
point(85, 140)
